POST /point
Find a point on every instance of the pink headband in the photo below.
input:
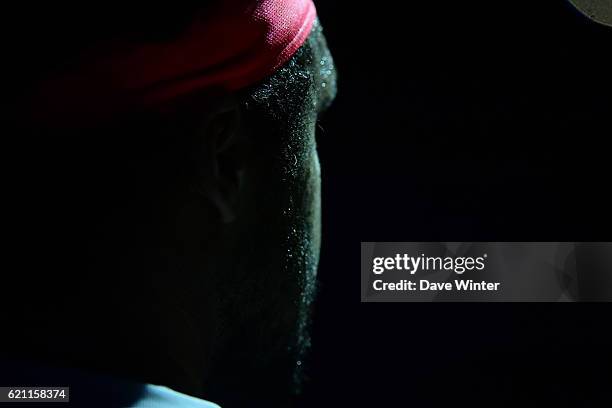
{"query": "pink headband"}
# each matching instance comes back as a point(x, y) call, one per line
point(236, 44)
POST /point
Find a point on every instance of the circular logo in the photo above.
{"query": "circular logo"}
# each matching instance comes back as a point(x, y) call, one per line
point(596, 10)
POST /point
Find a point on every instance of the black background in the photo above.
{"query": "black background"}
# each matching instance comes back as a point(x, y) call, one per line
point(454, 121)
point(461, 121)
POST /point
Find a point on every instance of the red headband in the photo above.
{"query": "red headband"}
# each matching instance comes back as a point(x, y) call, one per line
point(236, 44)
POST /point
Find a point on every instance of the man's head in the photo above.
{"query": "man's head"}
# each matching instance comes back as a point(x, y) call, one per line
point(257, 179)
point(184, 246)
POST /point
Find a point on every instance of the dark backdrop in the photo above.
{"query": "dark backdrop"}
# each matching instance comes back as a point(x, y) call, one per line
point(461, 121)
point(482, 120)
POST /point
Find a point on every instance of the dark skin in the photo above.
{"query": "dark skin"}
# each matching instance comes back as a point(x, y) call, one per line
point(202, 279)
point(254, 227)
point(268, 286)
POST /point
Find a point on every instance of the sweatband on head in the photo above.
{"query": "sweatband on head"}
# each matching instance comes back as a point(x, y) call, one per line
point(235, 44)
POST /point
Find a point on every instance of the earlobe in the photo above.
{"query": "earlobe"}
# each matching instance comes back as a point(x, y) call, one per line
point(220, 159)
point(226, 210)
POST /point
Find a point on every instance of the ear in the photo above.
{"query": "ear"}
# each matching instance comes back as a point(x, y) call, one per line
point(220, 158)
